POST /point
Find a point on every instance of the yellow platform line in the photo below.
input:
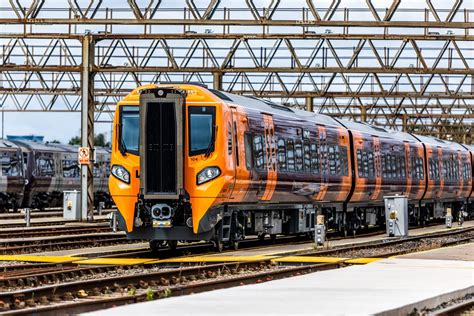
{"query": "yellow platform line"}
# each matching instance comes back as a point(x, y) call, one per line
point(314, 259)
point(205, 259)
point(309, 259)
point(114, 261)
point(362, 260)
point(45, 259)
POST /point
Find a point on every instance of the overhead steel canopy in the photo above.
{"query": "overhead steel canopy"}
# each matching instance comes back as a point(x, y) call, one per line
point(407, 65)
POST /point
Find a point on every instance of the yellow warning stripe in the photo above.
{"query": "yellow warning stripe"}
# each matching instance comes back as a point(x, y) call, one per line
point(309, 259)
point(193, 259)
point(46, 259)
point(362, 260)
point(114, 261)
point(198, 259)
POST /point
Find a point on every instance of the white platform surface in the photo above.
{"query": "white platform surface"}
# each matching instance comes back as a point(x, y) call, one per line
point(355, 290)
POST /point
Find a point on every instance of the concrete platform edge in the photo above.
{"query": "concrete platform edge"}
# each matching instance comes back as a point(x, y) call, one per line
point(428, 303)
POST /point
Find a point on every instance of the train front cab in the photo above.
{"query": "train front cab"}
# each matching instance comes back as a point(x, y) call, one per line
point(166, 187)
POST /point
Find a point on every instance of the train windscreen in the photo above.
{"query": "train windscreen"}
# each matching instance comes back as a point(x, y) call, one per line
point(129, 129)
point(201, 129)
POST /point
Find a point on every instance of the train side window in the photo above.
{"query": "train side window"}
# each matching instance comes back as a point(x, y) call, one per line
point(290, 154)
point(344, 162)
point(236, 139)
point(314, 158)
point(370, 158)
point(281, 155)
point(107, 168)
point(229, 139)
point(420, 168)
point(384, 167)
point(299, 155)
point(398, 167)
point(337, 159)
point(359, 163)
point(45, 167)
point(443, 166)
point(258, 152)
point(9, 165)
point(431, 168)
point(307, 157)
point(403, 167)
point(248, 151)
point(71, 169)
point(96, 170)
point(332, 160)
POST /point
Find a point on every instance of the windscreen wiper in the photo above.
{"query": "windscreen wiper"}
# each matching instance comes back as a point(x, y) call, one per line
point(211, 144)
point(123, 147)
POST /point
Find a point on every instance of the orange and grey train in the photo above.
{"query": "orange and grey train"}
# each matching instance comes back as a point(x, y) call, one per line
point(191, 163)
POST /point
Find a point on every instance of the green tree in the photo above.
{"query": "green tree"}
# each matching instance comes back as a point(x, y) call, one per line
point(76, 140)
point(99, 140)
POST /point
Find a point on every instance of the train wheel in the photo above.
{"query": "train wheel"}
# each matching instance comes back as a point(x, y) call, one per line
point(156, 245)
point(218, 245)
point(172, 244)
point(235, 245)
point(261, 236)
point(273, 237)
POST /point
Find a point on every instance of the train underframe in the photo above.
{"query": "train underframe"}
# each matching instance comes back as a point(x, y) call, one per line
point(9, 201)
point(229, 224)
point(43, 200)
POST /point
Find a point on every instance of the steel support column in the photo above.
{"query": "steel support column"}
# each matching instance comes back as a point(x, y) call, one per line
point(87, 125)
point(309, 104)
point(217, 81)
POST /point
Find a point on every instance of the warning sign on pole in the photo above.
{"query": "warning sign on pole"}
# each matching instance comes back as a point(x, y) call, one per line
point(84, 155)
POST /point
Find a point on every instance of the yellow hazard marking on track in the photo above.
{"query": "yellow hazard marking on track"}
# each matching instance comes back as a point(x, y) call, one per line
point(309, 259)
point(197, 259)
point(362, 260)
point(114, 261)
point(314, 259)
point(46, 259)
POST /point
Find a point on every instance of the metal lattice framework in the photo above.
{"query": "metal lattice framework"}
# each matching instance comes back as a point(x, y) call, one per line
point(405, 65)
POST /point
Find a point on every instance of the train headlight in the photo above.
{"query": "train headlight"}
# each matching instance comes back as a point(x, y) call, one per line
point(207, 174)
point(120, 173)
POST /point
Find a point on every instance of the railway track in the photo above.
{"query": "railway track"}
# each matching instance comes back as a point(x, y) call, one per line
point(46, 231)
point(42, 214)
point(124, 285)
point(31, 245)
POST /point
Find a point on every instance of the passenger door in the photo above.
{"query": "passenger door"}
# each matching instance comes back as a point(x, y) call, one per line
point(241, 175)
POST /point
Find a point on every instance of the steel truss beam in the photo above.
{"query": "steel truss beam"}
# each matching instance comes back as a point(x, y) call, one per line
point(413, 71)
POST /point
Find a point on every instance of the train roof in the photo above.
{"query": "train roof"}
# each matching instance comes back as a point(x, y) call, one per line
point(6, 144)
point(433, 141)
point(377, 131)
point(270, 107)
point(39, 146)
point(469, 147)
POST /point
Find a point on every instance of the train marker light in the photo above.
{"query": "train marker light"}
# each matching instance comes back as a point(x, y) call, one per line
point(207, 174)
point(120, 173)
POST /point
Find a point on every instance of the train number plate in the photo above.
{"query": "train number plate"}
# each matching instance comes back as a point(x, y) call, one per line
point(161, 224)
